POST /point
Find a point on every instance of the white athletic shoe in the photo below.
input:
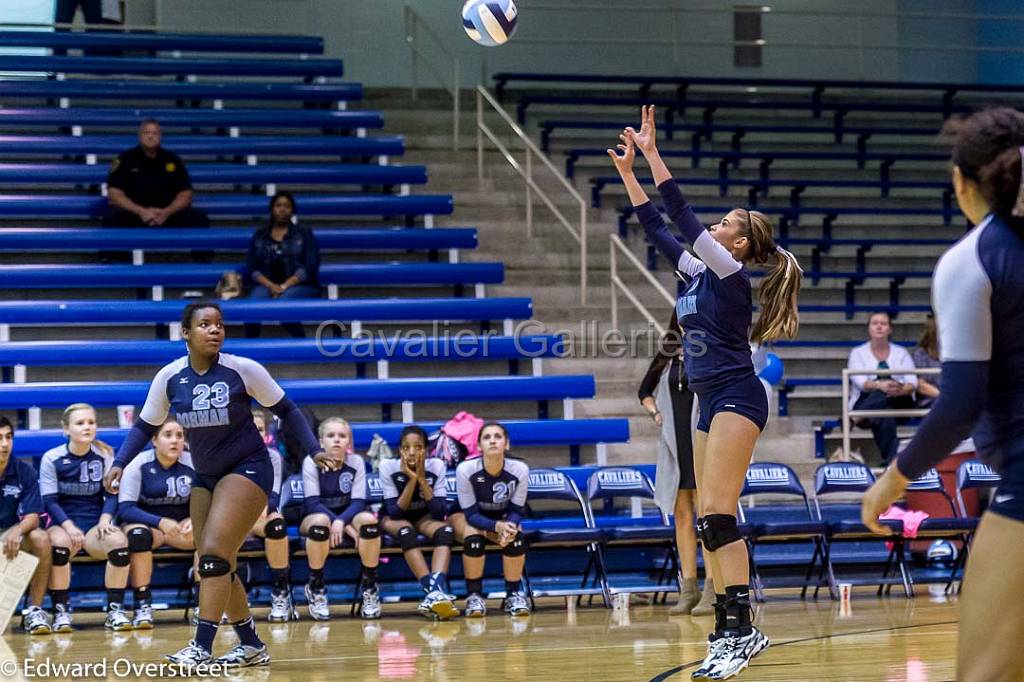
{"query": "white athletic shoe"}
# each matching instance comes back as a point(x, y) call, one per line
point(715, 646)
point(36, 621)
point(117, 620)
point(319, 608)
point(437, 605)
point(516, 604)
point(143, 619)
point(281, 608)
point(62, 619)
point(476, 607)
point(243, 656)
point(370, 607)
point(736, 653)
point(190, 655)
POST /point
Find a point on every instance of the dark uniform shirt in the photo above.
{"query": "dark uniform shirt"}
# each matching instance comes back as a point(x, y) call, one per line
point(20, 492)
point(149, 182)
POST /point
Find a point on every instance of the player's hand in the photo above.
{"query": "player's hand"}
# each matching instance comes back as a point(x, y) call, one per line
point(326, 463)
point(646, 138)
point(12, 542)
point(880, 496)
point(421, 470)
point(408, 471)
point(185, 526)
point(624, 160)
point(169, 526)
point(76, 536)
point(112, 479)
point(337, 533)
point(506, 532)
point(105, 528)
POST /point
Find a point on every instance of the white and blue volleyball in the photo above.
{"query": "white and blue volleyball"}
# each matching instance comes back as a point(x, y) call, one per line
point(490, 22)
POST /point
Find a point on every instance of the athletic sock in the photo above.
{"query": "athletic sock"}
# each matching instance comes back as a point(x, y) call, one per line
point(369, 576)
point(280, 579)
point(246, 631)
point(143, 597)
point(737, 610)
point(115, 595)
point(440, 581)
point(316, 579)
point(475, 585)
point(719, 614)
point(512, 586)
point(206, 631)
point(59, 597)
point(426, 582)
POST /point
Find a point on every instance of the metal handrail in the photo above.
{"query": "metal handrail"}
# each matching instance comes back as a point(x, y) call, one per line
point(857, 414)
point(525, 171)
point(617, 285)
point(413, 25)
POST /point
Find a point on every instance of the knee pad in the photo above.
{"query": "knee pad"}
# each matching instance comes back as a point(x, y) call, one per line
point(119, 557)
point(275, 529)
point(369, 531)
point(719, 530)
point(515, 548)
point(475, 546)
point(444, 537)
point(60, 556)
point(319, 533)
point(140, 539)
point(212, 566)
point(407, 538)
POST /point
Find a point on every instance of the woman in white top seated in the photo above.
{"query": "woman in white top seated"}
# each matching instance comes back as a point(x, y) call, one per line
point(883, 391)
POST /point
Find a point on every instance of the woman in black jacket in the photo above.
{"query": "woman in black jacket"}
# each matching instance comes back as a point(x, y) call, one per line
point(283, 261)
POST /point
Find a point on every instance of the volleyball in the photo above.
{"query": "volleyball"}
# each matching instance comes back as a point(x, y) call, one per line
point(490, 22)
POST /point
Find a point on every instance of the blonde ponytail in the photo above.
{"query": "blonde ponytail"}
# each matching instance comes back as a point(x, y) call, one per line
point(780, 318)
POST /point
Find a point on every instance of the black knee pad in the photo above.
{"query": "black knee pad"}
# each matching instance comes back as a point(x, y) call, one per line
point(444, 537)
point(475, 546)
point(275, 529)
point(60, 556)
point(718, 531)
point(369, 531)
point(212, 566)
point(515, 548)
point(407, 538)
point(119, 557)
point(140, 539)
point(319, 533)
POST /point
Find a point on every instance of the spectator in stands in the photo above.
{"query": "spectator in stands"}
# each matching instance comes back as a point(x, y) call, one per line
point(82, 515)
point(149, 186)
point(883, 392)
point(20, 507)
point(334, 507)
point(492, 502)
point(283, 261)
point(665, 395)
point(416, 501)
point(926, 356)
point(271, 527)
point(153, 508)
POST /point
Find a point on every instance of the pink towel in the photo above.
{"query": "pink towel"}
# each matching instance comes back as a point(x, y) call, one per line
point(465, 427)
point(911, 518)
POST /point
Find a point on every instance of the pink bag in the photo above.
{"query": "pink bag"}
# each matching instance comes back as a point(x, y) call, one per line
point(465, 428)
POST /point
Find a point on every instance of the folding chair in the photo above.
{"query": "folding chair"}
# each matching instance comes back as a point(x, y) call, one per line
point(612, 483)
point(952, 527)
point(769, 478)
point(561, 531)
point(971, 475)
point(848, 478)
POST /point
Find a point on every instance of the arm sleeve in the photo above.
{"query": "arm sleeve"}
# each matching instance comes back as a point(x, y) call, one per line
point(714, 255)
point(478, 520)
point(274, 499)
point(109, 505)
point(31, 502)
point(296, 424)
point(649, 384)
point(128, 509)
point(151, 416)
point(961, 297)
point(858, 380)
point(49, 491)
point(357, 502)
point(353, 508)
point(130, 512)
point(658, 234)
point(517, 505)
point(311, 503)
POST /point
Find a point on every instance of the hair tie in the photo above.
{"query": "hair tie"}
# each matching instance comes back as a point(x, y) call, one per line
point(790, 256)
point(1018, 206)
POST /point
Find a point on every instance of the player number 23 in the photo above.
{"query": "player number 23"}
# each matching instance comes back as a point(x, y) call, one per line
point(206, 396)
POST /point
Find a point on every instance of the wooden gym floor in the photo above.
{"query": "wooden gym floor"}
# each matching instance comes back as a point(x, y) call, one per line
point(890, 639)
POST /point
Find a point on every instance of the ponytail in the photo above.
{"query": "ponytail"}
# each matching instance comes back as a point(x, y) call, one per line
point(780, 318)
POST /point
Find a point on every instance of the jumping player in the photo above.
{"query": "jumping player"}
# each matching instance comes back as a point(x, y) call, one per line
point(71, 483)
point(979, 308)
point(20, 507)
point(415, 501)
point(153, 506)
point(211, 395)
point(492, 501)
point(716, 312)
point(272, 528)
point(334, 505)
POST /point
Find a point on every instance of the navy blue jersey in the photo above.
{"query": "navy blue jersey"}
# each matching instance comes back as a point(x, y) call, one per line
point(214, 408)
point(72, 486)
point(393, 481)
point(485, 498)
point(20, 495)
point(340, 494)
point(150, 492)
point(979, 309)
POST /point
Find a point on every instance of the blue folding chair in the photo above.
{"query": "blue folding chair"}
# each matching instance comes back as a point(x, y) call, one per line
point(952, 527)
point(549, 531)
point(974, 475)
point(613, 483)
point(846, 478)
point(770, 478)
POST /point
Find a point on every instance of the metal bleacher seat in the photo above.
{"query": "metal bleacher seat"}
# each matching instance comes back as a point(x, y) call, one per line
point(169, 41)
point(86, 118)
point(104, 89)
point(270, 67)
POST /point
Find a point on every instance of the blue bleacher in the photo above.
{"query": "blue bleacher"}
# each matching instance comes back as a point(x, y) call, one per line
point(141, 90)
point(108, 146)
point(96, 117)
point(148, 40)
point(239, 205)
point(170, 66)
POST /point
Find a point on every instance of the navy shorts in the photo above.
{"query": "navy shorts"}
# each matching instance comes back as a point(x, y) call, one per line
point(258, 469)
point(1008, 498)
point(745, 397)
